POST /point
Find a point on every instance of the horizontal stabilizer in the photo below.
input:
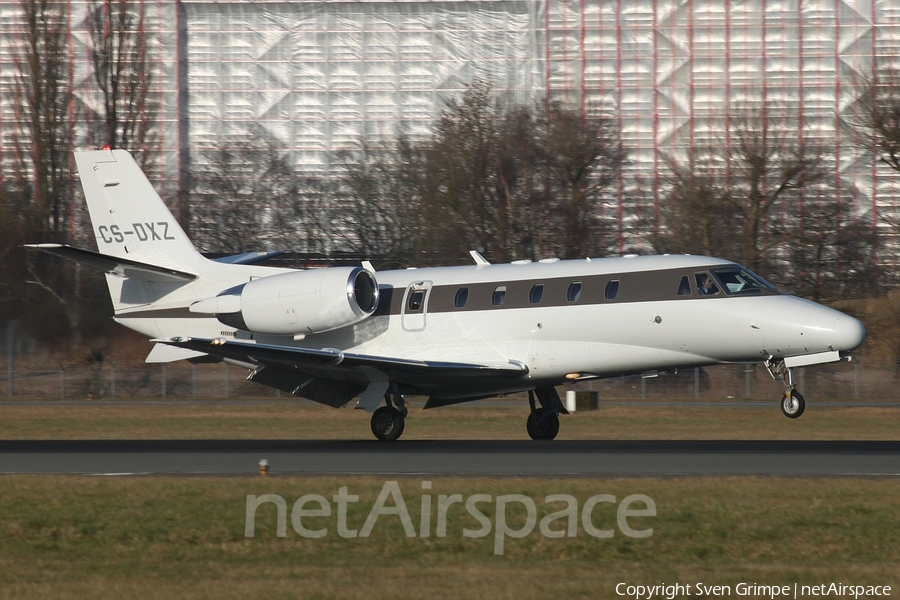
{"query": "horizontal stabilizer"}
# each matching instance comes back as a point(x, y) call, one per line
point(114, 265)
point(248, 258)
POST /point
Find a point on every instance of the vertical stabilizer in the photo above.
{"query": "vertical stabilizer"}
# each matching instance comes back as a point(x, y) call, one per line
point(129, 218)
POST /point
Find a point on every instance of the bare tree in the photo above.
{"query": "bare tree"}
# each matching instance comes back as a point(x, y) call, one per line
point(771, 163)
point(874, 124)
point(832, 252)
point(698, 216)
point(582, 158)
point(37, 207)
point(747, 179)
point(875, 116)
point(461, 200)
point(515, 181)
point(244, 197)
point(43, 91)
point(377, 209)
point(118, 55)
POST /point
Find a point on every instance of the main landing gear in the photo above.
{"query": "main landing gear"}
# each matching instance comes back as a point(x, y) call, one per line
point(792, 402)
point(543, 422)
point(388, 421)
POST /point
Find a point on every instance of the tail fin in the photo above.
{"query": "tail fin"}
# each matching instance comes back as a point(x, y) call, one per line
point(130, 220)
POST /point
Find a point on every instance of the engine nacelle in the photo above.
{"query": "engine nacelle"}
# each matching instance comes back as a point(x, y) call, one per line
point(297, 303)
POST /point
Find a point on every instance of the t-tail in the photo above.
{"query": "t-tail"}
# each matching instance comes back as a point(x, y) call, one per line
point(147, 256)
point(153, 271)
point(129, 218)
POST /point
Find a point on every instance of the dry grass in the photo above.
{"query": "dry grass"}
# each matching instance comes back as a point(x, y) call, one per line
point(161, 537)
point(286, 420)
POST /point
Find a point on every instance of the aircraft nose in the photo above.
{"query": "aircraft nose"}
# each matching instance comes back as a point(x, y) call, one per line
point(849, 333)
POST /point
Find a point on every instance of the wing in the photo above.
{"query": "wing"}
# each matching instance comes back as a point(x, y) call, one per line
point(334, 377)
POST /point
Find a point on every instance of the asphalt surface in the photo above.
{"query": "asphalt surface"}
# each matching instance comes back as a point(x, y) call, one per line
point(661, 458)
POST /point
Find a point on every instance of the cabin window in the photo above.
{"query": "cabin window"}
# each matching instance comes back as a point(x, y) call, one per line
point(415, 300)
point(537, 292)
point(462, 296)
point(706, 286)
point(499, 295)
point(574, 292)
point(684, 288)
point(612, 289)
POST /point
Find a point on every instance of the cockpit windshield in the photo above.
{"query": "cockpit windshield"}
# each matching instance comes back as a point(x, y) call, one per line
point(737, 281)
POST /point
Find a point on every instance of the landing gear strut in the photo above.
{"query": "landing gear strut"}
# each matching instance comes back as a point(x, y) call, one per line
point(543, 422)
point(388, 421)
point(792, 402)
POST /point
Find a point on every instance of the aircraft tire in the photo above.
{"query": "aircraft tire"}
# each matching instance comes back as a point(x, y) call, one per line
point(387, 423)
point(543, 424)
point(792, 404)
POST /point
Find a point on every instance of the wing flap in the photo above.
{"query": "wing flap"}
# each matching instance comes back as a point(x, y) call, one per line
point(324, 391)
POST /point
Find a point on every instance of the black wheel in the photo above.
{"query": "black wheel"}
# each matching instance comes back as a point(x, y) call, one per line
point(543, 424)
point(792, 404)
point(387, 423)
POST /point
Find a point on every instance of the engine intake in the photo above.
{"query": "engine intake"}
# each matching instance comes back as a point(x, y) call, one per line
point(297, 303)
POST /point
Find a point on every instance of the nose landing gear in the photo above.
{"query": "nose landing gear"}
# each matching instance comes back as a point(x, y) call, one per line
point(792, 402)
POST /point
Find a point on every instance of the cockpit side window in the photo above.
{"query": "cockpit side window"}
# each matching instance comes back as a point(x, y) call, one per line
point(684, 288)
point(738, 281)
point(706, 285)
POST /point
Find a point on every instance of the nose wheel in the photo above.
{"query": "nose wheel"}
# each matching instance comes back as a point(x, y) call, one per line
point(792, 404)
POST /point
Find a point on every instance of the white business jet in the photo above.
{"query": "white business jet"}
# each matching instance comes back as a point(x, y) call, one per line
point(454, 334)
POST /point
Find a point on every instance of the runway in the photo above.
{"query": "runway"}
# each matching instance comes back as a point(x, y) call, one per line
point(657, 458)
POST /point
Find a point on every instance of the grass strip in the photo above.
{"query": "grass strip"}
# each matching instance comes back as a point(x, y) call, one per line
point(292, 421)
point(163, 537)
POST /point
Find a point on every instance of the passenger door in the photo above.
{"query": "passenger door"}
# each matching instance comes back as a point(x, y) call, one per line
point(415, 306)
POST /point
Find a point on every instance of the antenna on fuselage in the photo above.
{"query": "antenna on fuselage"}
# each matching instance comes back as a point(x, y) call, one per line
point(479, 259)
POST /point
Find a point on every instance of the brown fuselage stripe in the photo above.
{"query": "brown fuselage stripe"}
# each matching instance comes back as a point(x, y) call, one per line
point(635, 286)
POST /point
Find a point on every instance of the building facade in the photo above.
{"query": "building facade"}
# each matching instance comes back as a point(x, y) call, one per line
point(315, 76)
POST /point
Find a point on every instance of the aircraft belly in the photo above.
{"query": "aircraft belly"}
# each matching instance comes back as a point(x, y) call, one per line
point(553, 360)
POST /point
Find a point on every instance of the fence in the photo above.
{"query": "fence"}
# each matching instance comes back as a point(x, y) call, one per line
point(136, 380)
